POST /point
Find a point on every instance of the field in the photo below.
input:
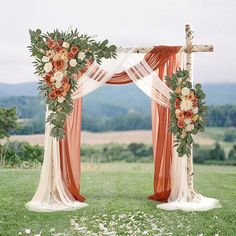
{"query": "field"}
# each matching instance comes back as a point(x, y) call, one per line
point(208, 138)
point(117, 197)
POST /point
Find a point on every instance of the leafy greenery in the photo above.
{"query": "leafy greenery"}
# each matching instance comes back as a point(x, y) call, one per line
point(178, 82)
point(8, 121)
point(59, 52)
point(119, 189)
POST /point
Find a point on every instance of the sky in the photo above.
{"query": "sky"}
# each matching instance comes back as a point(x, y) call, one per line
point(124, 23)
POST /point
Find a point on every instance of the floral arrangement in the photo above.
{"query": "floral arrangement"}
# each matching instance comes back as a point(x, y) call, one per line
point(60, 59)
point(187, 110)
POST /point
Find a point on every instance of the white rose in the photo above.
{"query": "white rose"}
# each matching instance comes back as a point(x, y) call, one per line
point(187, 121)
point(81, 55)
point(65, 45)
point(73, 62)
point(195, 110)
point(48, 67)
point(186, 104)
point(61, 99)
point(189, 127)
point(45, 59)
point(58, 84)
point(58, 76)
point(185, 91)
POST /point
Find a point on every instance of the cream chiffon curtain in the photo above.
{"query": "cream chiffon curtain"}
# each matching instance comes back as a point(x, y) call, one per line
point(52, 195)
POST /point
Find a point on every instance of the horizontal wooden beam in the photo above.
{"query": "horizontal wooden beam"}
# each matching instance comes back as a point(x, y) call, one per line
point(194, 48)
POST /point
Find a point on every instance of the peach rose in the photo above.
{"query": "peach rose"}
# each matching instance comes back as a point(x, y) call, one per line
point(181, 124)
point(180, 115)
point(65, 80)
point(52, 95)
point(74, 49)
point(51, 43)
point(59, 64)
point(178, 90)
point(195, 102)
point(191, 95)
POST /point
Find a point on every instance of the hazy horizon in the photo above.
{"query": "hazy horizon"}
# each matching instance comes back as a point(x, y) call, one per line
point(124, 23)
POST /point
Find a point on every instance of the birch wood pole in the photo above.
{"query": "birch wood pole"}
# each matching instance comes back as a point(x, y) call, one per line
point(189, 35)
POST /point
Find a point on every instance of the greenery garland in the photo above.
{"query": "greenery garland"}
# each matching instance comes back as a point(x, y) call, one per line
point(188, 110)
point(60, 59)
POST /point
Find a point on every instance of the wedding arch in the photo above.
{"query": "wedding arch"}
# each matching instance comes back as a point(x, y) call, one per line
point(59, 185)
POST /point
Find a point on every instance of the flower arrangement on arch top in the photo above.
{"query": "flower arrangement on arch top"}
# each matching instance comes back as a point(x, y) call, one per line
point(60, 59)
point(187, 110)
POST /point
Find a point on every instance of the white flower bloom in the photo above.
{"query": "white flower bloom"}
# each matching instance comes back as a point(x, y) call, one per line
point(195, 110)
point(65, 45)
point(187, 121)
point(48, 67)
point(189, 127)
point(45, 59)
point(28, 231)
point(58, 76)
point(58, 84)
point(186, 104)
point(73, 62)
point(185, 91)
point(61, 99)
point(81, 55)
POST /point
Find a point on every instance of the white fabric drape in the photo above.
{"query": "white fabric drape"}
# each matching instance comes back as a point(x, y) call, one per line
point(180, 195)
point(98, 75)
point(147, 80)
point(51, 194)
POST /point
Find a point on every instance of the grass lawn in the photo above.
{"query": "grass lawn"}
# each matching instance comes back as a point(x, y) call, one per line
point(117, 197)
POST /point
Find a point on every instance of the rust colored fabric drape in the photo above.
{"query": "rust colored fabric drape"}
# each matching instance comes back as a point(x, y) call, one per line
point(70, 151)
point(158, 56)
point(162, 140)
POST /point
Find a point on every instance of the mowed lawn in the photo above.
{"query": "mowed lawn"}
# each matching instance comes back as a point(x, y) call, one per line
point(117, 197)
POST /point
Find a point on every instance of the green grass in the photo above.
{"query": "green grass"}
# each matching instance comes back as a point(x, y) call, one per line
point(117, 197)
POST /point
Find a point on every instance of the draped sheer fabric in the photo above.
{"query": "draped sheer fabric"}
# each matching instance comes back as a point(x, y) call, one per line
point(52, 193)
point(59, 186)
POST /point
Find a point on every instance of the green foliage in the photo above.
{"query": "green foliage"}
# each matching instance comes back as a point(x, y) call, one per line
point(16, 154)
point(40, 46)
point(230, 136)
point(8, 121)
point(134, 152)
point(217, 153)
point(183, 137)
point(232, 154)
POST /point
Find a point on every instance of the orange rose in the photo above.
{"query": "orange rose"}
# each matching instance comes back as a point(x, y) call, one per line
point(188, 114)
point(59, 64)
point(58, 92)
point(70, 55)
point(181, 124)
point(66, 87)
point(51, 43)
point(65, 80)
point(177, 103)
point(74, 49)
point(52, 95)
point(58, 48)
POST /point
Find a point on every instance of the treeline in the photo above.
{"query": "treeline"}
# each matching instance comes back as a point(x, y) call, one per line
point(23, 155)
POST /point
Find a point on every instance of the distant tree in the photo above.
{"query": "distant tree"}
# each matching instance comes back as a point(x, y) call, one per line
point(217, 153)
point(229, 136)
point(232, 154)
point(8, 121)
